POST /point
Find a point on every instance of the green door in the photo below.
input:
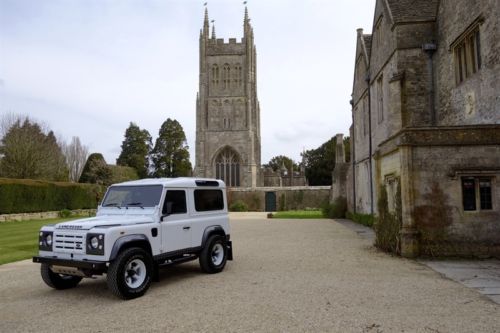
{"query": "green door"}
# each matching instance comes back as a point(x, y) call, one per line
point(270, 201)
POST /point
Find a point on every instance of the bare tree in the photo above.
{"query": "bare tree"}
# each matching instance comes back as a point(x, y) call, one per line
point(76, 155)
point(8, 119)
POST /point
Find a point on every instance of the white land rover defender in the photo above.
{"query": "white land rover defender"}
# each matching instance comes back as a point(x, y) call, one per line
point(140, 226)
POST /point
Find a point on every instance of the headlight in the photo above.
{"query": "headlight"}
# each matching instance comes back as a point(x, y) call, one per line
point(45, 240)
point(95, 244)
point(48, 239)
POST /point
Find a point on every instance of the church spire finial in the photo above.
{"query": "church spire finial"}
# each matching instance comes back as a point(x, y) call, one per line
point(213, 29)
point(246, 21)
point(205, 22)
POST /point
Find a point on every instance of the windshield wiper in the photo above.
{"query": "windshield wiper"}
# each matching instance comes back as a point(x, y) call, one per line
point(112, 204)
point(135, 204)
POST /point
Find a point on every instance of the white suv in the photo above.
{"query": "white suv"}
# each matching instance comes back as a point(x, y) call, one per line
point(140, 226)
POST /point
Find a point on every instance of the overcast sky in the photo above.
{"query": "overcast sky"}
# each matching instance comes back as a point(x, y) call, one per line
point(88, 68)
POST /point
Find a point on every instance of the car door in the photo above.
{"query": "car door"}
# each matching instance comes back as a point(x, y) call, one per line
point(176, 224)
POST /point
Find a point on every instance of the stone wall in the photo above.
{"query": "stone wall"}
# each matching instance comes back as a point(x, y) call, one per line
point(438, 212)
point(287, 198)
point(43, 215)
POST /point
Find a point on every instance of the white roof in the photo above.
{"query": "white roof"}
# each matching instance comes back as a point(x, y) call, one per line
point(173, 182)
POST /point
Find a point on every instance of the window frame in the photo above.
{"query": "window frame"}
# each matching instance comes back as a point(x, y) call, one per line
point(163, 210)
point(380, 99)
point(483, 201)
point(220, 207)
point(466, 50)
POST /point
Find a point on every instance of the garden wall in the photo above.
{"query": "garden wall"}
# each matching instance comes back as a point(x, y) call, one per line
point(285, 198)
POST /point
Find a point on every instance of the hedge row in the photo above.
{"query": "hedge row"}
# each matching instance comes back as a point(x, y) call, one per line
point(29, 196)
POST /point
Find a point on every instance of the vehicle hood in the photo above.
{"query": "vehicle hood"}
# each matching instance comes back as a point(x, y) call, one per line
point(103, 221)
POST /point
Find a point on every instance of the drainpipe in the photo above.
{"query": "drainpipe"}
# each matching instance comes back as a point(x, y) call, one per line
point(353, 150)
point(367, 79)
point(430, 48)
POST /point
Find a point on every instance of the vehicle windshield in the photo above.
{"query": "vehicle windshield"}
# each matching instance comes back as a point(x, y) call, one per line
point(133, 196)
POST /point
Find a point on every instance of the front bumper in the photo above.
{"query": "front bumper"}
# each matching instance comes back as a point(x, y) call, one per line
point(82, 264)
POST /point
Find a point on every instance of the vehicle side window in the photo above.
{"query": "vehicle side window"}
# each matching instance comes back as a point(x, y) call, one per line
point(178, 200)
point(206, 200)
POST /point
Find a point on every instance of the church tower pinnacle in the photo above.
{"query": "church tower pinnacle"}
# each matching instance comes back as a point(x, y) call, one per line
point(206, 26)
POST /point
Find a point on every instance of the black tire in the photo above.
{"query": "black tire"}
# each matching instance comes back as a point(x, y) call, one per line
point(210, 257)
point(58, 281)
point(132, 263)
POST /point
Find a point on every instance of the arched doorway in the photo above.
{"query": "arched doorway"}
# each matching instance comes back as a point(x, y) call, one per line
point(227, 167)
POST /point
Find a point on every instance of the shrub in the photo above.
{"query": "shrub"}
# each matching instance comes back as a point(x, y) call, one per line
point(121, 173)
point(28, 196)
point(335, 210)
point(64, 213)
point(364, 219)
point(238, 206)
point(388, 225)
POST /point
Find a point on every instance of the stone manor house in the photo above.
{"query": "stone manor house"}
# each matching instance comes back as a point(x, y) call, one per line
point(426, 120)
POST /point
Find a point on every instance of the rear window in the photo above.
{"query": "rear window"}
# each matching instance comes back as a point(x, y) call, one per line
point(207, 200)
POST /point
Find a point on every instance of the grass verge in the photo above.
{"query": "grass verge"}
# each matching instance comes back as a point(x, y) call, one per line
point(19, 240)
point(298, 214)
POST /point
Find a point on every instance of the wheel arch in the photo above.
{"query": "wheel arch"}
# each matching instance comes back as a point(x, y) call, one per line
point(212, 230)
point(128, 241)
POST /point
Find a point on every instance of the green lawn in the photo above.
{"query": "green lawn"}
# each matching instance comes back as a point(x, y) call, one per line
point(298, 214)
point(19, 240)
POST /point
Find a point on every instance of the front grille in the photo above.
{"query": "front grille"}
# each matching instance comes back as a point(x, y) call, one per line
point(69, 242)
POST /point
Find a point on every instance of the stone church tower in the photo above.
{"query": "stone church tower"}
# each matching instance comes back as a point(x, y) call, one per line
point(227, 109)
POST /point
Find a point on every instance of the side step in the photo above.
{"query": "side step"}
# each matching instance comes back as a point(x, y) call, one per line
point(178, 260)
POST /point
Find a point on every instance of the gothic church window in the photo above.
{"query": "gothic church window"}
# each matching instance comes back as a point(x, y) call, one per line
point(238, 75)
point(227, 167)
point(467, 53)
point(215, 75)
point(226, 76)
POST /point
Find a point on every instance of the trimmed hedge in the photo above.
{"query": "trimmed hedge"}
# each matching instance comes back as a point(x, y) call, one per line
point(29, 196)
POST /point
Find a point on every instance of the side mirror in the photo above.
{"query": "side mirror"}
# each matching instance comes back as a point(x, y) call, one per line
point(167, 210)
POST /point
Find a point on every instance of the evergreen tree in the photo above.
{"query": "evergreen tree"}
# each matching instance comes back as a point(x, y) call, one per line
point(30, 153)
point(277, 162)
point(136, 148)
point(58, 169)
point(96, 171)
point(320, 162)
point(171, 155)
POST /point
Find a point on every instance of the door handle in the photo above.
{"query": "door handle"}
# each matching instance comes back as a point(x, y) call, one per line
point(186, 228)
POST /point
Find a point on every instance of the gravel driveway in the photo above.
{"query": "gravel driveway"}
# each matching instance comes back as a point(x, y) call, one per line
point(287, 276)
